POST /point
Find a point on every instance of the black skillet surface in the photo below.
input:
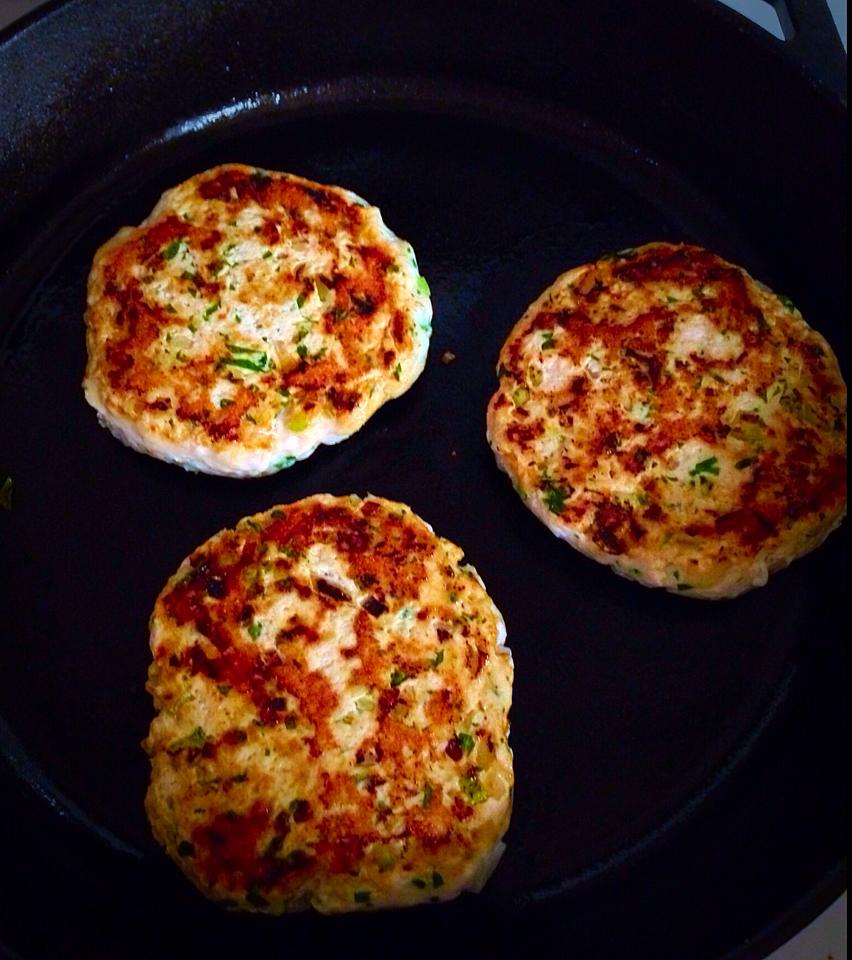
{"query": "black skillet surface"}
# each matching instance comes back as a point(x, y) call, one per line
point(681, 766)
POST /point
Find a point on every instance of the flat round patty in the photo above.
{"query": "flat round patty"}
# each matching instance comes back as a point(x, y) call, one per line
point(670, 416)
point(333, 694)
point(252, 316)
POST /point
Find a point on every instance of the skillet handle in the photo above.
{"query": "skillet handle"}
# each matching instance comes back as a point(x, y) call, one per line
point(813, 42)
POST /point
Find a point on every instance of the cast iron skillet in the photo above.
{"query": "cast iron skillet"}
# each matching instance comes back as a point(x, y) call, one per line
point(681, 785)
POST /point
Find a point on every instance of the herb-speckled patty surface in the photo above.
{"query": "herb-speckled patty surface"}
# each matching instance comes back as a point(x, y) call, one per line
point(253, 316)
point(668, 415)
point(333, 696)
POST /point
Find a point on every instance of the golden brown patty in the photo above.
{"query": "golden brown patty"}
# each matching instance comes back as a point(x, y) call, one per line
point(333, 696)
point(253, 316)
point(670, 416)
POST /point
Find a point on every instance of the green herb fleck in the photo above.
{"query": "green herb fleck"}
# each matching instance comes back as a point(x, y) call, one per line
point(710, 465)
point(302, 350)
point(195, 739)
point(422, 286)
point(172, 249)
point(397, 370)
point(397, 677)
point(300, 301)
point(465, 741)
point(438, 659)
point(225, 402)
point(548, 343)
point(473, 789)
point(255, 629)
point(7, 487)
point(428, 793)
point(267, 254)
point(212, 308)
point(520, 396)
point(555, 496)
point(788, 303)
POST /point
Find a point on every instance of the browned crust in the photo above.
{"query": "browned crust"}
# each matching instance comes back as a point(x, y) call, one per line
point(205, 614)
point(137, 290)
point(783, 464)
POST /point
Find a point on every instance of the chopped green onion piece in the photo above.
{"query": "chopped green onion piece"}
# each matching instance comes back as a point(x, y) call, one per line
point(422, 286)
point(437, 659)
point(302, 351)
point(710, 465)
point(171, 250)
point(300, 301)
point(255, 629)
point(239, 348)
point(398, 677)
point(428, 793)
point(258, 366)
point(384, 857)
point(555, 496)
point(323, 291)
point(473, 789)
point(225, 402)
point(195, 739)
point(548, 343)
point(465, 741)
point(298, 422)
